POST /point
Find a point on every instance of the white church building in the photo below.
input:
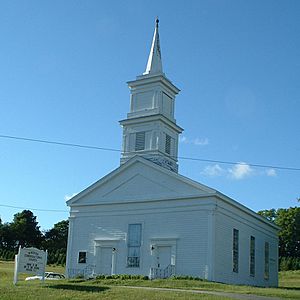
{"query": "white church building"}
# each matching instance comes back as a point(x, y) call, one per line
point(144, 218)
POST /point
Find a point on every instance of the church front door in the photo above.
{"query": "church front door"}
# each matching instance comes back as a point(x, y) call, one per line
point(163, 257)
point(104, 261)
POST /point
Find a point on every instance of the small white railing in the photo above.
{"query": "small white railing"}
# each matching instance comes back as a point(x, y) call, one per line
point(87, 272)
point(162, 273)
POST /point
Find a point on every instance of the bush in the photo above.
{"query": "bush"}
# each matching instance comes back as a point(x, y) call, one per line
point(289, 263)
point(7, 254)
point(122, 277)
point(185, 277)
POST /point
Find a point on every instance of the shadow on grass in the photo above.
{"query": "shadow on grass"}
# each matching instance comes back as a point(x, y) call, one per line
point(290, 288)
point(80, 288)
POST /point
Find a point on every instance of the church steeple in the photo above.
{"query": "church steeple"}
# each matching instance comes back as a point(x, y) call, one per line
point(154, 64)
point(150, 129)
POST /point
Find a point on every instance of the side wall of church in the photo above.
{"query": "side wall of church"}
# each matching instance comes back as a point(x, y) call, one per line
point(228, 218)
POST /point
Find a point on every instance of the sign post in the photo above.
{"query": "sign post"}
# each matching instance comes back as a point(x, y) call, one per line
point(30, 260)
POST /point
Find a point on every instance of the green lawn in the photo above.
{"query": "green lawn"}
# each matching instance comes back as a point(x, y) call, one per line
point(110, 288)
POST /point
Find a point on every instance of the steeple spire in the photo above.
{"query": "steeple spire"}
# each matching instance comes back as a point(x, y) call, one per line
point(154, 64)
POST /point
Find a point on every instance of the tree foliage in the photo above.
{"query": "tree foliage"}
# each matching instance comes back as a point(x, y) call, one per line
point(56, 238)
point(288, 219)
point(24, 231)
point(55, 241)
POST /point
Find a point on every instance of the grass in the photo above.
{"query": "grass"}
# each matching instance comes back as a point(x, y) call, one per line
point(111, 288)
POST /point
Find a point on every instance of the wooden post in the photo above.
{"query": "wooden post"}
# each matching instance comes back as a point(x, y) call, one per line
point(16, 269)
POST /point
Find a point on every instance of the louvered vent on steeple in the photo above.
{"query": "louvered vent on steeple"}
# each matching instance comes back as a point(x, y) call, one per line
point(140, 141)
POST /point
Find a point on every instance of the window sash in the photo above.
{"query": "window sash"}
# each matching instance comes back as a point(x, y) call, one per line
point(133, 258)
point(252, 256)
point(267, 261)
point(134, 235)
point(133, 262)
point(235, 251)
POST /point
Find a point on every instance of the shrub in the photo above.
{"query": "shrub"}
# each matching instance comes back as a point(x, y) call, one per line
point(289, 263)
point(185, 277)
point(122, 277)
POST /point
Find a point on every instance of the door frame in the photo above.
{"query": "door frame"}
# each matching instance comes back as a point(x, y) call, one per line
point(163, 242)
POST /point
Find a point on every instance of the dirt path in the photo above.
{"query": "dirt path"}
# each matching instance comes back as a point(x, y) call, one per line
point(223, 294)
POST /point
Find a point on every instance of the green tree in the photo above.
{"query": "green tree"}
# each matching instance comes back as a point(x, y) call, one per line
point(26, 230)
point(270, 214)
point(7, 237)
point(57, 237)
point(288, 219)
point(55, 241)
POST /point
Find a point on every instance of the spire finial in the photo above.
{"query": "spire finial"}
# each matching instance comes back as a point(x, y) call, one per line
point(154, 64)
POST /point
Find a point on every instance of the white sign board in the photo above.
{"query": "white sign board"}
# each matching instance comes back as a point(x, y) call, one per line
point(30, 260)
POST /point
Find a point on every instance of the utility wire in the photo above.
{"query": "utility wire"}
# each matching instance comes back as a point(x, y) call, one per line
point(37, 209)
point(57, 143)
point(241, 163)
point(118, 150)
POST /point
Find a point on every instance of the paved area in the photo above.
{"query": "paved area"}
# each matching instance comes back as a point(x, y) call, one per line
point(223, 294)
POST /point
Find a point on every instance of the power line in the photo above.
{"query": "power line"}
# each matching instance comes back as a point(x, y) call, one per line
point(118, 150)
point(57, 143)
point(37, 209)
point(241, 163)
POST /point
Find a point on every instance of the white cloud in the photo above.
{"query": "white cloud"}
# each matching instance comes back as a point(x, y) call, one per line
point(271, 172)
point(240, 171)
point(213, 171)
point(200, 142)
point(183, 139)
point(197, 141)
point(68, 197)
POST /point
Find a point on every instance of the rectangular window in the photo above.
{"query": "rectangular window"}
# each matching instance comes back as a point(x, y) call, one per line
point(82, 257)
point(267, 260)
point(134, 245)
point(252, 256)
point(168, 144)
point(140, 141)
point(235, 251)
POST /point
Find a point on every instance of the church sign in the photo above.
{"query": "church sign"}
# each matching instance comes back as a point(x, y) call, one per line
point(30, 260)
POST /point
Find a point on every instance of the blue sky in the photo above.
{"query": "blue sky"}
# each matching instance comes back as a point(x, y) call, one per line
point(63, 72)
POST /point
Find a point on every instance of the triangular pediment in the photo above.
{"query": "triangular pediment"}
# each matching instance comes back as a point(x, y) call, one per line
point(139, 180)
point(136, 186)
